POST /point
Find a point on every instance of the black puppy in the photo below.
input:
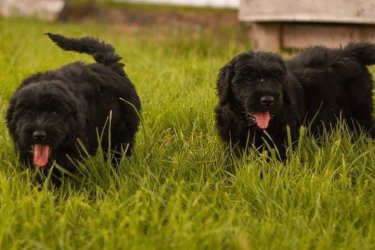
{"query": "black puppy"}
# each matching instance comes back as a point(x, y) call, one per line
point(52, 113)
point(261, 93)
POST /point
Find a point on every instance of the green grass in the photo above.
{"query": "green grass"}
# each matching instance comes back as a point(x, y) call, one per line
point(180, 190)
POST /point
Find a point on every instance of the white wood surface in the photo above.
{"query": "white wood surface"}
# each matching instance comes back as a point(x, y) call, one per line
point(333, 11)
point(43, 9)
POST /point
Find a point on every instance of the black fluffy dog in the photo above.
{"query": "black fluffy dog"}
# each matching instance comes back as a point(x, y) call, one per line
point(260, 92)
point(51, 114)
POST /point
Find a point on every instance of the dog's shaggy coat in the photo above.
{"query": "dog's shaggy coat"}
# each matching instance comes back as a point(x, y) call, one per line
point(53, 114)
point(260, 94)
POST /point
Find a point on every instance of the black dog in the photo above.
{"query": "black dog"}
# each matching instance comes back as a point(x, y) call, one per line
point(260, 92)
point(51, 114)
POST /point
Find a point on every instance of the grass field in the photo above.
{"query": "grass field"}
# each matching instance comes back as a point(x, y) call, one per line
point(180, 190)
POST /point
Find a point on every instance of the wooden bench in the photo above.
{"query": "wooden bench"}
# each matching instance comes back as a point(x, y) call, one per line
point(291, 24)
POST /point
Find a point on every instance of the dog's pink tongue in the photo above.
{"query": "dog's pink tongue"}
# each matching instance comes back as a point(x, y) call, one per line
point(41, 155)
point(262, 119)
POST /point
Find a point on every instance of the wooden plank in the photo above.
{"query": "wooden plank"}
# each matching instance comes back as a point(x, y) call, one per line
point(304, 35)
point(337, 11)
point(275, 36)
point(265, 36)
point(198, 3)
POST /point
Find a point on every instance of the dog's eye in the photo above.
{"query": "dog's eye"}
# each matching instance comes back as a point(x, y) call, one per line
point(23, 106)
point(236, 84)
point(278, 72)
point(254, 77)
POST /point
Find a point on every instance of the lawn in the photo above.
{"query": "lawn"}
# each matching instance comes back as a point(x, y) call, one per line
point(180, 190)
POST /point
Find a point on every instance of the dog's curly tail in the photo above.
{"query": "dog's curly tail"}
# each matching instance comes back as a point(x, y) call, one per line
point(361, 51)
point(102, 52)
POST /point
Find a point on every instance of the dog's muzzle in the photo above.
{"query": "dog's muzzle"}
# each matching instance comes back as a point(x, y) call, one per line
point(41, 149)
point(262, 109)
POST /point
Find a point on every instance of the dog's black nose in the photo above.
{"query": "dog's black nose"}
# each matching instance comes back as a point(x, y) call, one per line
point(39, 135)
point(267, 100)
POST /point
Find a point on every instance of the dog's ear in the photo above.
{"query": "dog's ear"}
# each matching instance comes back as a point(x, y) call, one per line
point(286, 96)
point(10, 117)
point(288, 79)
point(223, 81)
point(289, 82)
